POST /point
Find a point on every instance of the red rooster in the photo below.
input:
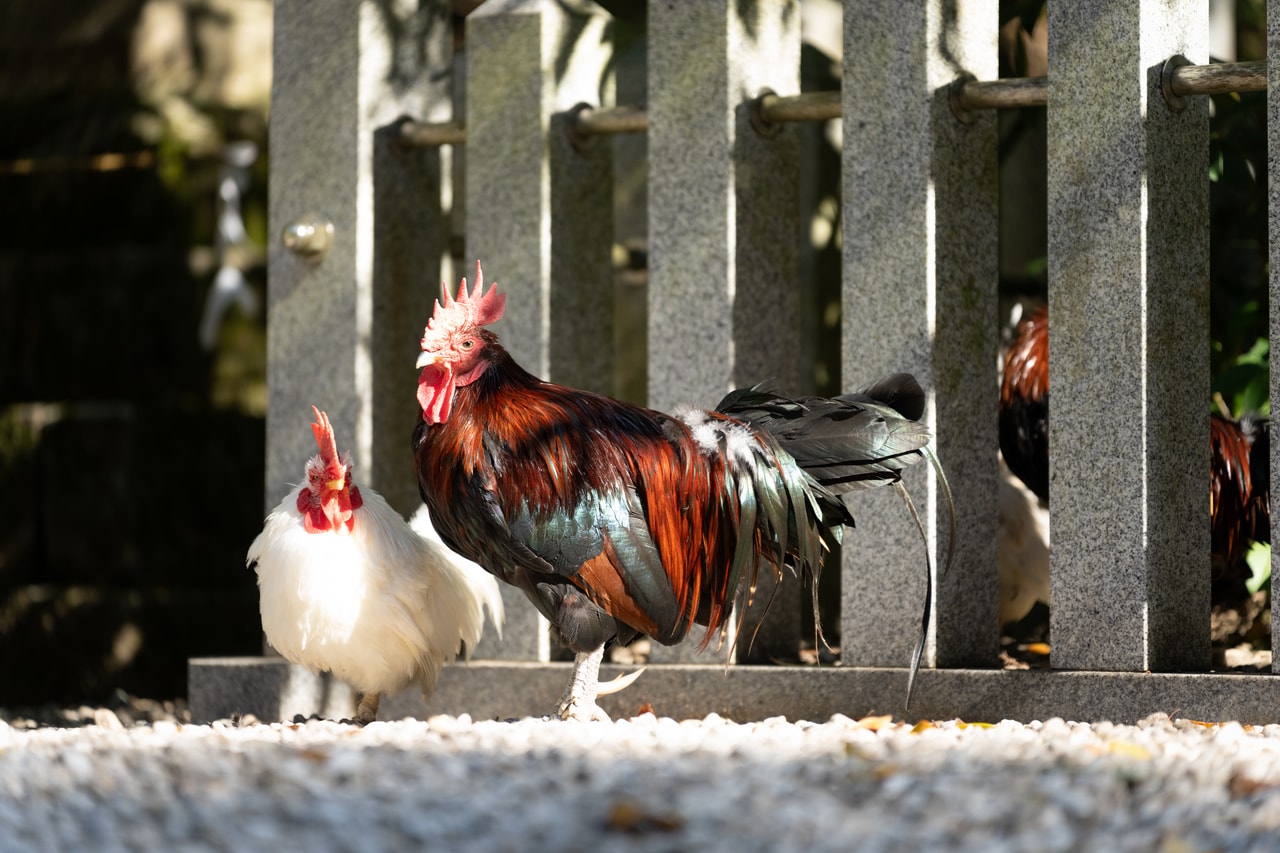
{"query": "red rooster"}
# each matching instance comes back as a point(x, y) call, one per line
point(1239, 500)
point(616, 520)
point(348, 587)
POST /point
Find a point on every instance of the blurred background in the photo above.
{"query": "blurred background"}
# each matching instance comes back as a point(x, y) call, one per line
point(133, 174)
point(133, 178)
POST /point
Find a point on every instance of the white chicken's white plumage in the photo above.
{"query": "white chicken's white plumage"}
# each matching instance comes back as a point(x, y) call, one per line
point(352, 589)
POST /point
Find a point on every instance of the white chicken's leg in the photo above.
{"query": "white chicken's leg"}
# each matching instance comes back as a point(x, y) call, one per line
point(367, 709)
point(579, 699)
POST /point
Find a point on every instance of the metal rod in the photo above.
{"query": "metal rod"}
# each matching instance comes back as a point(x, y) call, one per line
point(1181, 79)
point(421, 135)
point(809, 106)
point(1011, 93)
point(588, 121)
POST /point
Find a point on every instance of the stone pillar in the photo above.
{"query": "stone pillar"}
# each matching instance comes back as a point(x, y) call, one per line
point(1273, 229)
point(342, 328)
point(539, 209)
point(920, 276)
point(723, 219)
point(1128, 339)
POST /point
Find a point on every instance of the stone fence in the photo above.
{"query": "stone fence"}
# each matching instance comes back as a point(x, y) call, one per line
point(365, 92)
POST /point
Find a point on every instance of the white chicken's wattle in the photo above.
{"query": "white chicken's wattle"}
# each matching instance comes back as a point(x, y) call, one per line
point(347, 586)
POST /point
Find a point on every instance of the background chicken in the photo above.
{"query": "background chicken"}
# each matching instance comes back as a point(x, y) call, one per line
point(1239, 513)
point(1239, 490)
point(1022, 558)
point(1024, 403)
point(616, 520)
point(1023, 526)
point(348, 587)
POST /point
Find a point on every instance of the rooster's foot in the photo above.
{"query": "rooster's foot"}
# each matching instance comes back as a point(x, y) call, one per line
point(581, 710)
point(579, 699)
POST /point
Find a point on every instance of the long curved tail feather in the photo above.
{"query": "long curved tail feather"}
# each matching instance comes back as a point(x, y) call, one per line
point(927, 616)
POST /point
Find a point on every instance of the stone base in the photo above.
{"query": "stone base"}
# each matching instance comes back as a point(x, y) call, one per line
point(273, 689)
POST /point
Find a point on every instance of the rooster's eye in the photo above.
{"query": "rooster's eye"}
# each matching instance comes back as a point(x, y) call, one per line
point(468, 344)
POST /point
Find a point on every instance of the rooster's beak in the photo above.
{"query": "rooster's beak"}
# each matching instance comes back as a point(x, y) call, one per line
point(430, 358)
point(335, 485)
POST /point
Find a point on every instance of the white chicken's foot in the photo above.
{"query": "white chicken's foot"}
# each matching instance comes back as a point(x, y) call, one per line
point(367, 709)
point(579, 699)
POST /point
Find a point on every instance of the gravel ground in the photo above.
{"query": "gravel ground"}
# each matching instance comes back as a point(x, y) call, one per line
point(647, 783)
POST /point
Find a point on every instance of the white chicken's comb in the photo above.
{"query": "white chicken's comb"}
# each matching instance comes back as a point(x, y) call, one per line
point(325, 438)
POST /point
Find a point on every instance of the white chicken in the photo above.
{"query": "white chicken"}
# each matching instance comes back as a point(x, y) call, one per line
point(346, 586)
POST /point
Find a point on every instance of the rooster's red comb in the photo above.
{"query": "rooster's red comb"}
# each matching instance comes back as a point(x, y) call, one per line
point(467, 310)
point(324, 437)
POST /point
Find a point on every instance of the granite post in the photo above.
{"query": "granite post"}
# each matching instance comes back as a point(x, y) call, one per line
point(920, 277)
point(1273, 231)
point(1128, 339)
point(342, 328)
point(723, 224)
point(539, 208)
point(343, 322)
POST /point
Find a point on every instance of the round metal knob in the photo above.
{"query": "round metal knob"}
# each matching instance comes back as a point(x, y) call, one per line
point(310, 236)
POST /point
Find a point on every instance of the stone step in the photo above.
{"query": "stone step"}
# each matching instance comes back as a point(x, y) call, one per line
point(273, 689)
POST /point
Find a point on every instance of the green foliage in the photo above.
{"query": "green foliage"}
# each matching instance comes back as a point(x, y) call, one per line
point(1244, 380)
point(1238, 313)
point(1037, 267)
point(1238, 268)
point(1259, 560)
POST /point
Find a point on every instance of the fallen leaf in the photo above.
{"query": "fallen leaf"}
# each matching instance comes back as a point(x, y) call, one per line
point(1129, 750)
point(629, 816)
point(874, 724)
point(921, 726)
point(1175, 844)
point(851, 750)
point(1243, 786)
point(1038, 648)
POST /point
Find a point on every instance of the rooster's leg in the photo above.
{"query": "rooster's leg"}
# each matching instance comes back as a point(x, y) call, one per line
point(579, 699)
point(367, 709)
